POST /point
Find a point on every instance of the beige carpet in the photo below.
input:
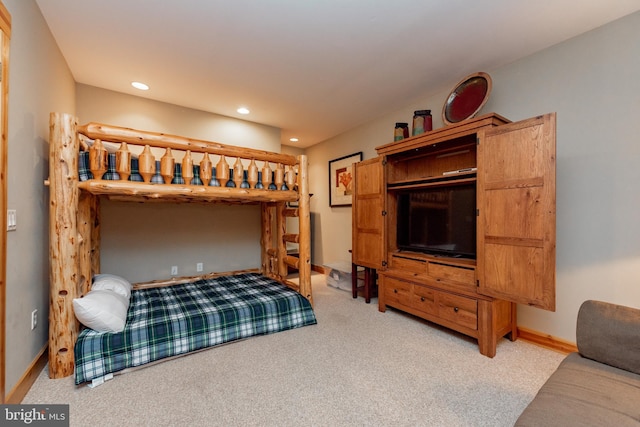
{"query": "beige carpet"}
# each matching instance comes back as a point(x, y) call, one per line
point(356, 367)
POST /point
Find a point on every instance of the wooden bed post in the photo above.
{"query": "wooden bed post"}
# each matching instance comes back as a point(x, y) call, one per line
point(281, 224)
point(64, 241)
point(88, 240)
point(95, 235)
point(266, 239)
point(304, 218)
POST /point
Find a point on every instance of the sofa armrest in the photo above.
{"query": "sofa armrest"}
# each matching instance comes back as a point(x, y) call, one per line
point(610, 334)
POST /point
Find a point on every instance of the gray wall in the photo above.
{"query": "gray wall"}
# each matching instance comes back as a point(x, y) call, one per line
point(592, 82)
point(39, 82)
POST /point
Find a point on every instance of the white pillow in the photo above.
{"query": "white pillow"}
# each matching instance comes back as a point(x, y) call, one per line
point(111, 282)
point(102, 311)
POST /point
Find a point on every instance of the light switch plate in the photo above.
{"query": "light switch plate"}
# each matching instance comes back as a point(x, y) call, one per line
point(12, 220)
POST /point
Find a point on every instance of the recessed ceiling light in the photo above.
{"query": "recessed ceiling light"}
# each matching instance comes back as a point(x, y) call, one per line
point(140, 86)
point(293, 139)
point(243, 110)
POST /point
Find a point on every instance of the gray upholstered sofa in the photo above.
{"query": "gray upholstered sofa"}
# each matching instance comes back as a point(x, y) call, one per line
point(600, 384)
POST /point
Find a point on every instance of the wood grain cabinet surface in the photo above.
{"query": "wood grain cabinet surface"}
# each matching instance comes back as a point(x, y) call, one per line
point(512, 166)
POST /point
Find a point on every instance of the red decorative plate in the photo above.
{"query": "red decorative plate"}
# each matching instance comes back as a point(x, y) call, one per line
point(467, 98)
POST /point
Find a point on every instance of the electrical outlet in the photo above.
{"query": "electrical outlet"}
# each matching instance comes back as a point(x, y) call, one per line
point(174, 270)
point(199, 267)
point(34, 319)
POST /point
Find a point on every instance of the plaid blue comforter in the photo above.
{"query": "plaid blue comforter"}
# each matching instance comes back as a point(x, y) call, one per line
point(174, 320)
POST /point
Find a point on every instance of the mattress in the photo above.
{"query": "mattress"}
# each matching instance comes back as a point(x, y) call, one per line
point(170, 321)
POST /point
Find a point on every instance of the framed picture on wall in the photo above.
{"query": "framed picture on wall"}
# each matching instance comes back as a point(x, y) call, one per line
point(341, 179)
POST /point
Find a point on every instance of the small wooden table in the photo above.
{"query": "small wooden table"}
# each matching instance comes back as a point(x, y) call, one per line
point(369, 287)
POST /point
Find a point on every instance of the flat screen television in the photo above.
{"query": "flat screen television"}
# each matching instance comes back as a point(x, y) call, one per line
point(438, 221)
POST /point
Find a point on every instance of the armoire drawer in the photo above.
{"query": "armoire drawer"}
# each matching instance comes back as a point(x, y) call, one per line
point(424, 299)
point(453, 273)
point(460, 310)
point(398, 292)
point(408, 265)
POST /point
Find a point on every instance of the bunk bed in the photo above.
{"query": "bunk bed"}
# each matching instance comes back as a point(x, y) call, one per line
point(95, 161)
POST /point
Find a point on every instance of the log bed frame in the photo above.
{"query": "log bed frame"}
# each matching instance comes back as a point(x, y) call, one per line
point(74, 210)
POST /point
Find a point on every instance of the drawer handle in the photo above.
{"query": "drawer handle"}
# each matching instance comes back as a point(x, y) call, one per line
point(395, 291)
point(422, 299)
point(455, 309)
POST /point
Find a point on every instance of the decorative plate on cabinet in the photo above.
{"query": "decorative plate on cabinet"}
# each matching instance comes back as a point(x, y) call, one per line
point(467, 98)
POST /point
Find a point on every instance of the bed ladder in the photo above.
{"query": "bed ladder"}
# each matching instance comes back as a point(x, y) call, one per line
point(275, 259)
point(289, 260)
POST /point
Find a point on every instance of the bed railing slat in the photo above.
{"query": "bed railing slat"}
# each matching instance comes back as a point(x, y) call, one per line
point(187, 168)
point(206, 170)
point(222, 172)
point(123, 162)
point(167, 164)
point(266, 175)
point(278, 177)
point(238, 173)
point(146, 164)
point(97, 159)
point(252, 174)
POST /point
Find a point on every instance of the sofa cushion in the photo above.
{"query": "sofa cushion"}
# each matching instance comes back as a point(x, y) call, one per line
point(610, 334)
point(582, 393)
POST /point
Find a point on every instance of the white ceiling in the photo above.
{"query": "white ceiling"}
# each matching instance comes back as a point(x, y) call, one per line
point(314, 68)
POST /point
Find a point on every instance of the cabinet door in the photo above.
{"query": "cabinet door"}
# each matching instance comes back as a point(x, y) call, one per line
point(368, 232)
point(517, 212)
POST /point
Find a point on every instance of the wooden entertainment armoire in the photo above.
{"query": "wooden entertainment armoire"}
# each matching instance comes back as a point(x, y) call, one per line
point(513, 168)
